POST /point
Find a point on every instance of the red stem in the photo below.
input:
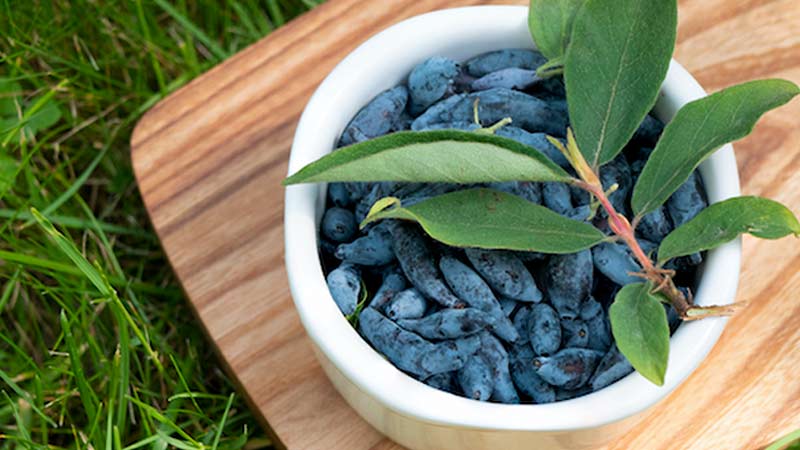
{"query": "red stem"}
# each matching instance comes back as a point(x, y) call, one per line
point(622, 228)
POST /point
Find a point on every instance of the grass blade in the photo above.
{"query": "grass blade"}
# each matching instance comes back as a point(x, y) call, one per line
point(196, 32)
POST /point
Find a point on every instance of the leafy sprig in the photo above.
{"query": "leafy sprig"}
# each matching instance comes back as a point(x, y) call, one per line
point(614, 55)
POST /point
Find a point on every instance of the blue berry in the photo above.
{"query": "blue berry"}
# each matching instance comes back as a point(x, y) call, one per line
point(551, 89)
point(338, 224)
point(614, 366)
point(408, 304)
point(520, 322)
point(510, 78)
point(356, 190)
point(569, 369)
point(448, 111)
point(327, 247)
point(450, 355)
point(445, 381)
point(569, 394)
point(590, 309)
point(505, 273)
point(364, 204)
point(496, 356)
point(374, 249)
point(528, 112)
point(430, 81)
point(448, 323)
point(463, 126)
point(402, 122)
point(525, 378)
point(568, 280)
point(687, 201)
point(413, 196)
point(638, 158)
point(544, 329)
point(580, 213)
point(508, 305)
point(417, 262)
point(616, 262)
point(393, 282)
point(377, 118)
point(649, 131)
point(597, 325)
point(471, 288)
point(344, 283)
point(673, 318)
point(575, 333)
point(685, 263)
point(529, 257)
point(339, 195)
point(503, 59)
point(557, 197)
point(475, 379)
point(536, 140)
point(655, 226)
point(403, 348)
point(579, 196)
point(617, 172)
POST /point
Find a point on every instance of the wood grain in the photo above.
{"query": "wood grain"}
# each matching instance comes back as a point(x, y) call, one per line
point(208, 160)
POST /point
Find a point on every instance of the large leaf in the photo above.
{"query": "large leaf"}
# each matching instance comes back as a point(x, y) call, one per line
point(550, 23)
point(698, 130)
point(616, 61)
point(433, 156)
point(491, 219)
point(724, 221)
point(640, 328)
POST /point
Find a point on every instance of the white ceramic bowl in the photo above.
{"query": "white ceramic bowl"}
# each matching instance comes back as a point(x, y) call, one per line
point(410, 412)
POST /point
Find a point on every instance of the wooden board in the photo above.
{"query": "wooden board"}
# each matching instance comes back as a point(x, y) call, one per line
point(209, 158)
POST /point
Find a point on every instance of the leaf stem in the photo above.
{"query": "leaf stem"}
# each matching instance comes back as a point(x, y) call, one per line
point(661, 279)
point(551, 68)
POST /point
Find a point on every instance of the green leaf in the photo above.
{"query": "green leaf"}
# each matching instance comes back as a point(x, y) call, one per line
point(44, 118)
point(550, 23)
point(433, 156)
point(491, 219)
point(698, 130)
point(615, 64)
point(724, 221)
point(8, 172)
point(9, 93)
point(639, 325)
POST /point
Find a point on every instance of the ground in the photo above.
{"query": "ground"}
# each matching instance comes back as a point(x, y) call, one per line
point(98, 348)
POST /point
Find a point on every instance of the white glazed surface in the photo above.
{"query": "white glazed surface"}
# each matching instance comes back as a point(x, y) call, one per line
point(376, 388)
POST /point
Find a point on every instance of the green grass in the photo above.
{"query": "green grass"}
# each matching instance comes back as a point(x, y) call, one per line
point(98, 348)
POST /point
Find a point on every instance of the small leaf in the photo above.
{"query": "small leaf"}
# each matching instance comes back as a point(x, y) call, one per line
point(724, 221)
point(486, 218)
point(550, 23)
point(616, 61)
point(639, 325)
point(698, 130)
point(433, 156)
point(44, 118)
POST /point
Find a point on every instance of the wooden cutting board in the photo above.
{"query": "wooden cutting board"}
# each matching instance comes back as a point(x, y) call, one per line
point(209, 158)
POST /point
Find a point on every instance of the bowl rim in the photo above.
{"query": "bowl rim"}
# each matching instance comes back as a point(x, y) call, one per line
point(338, 98)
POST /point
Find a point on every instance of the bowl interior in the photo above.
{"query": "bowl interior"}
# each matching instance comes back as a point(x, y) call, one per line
point(383, 62)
